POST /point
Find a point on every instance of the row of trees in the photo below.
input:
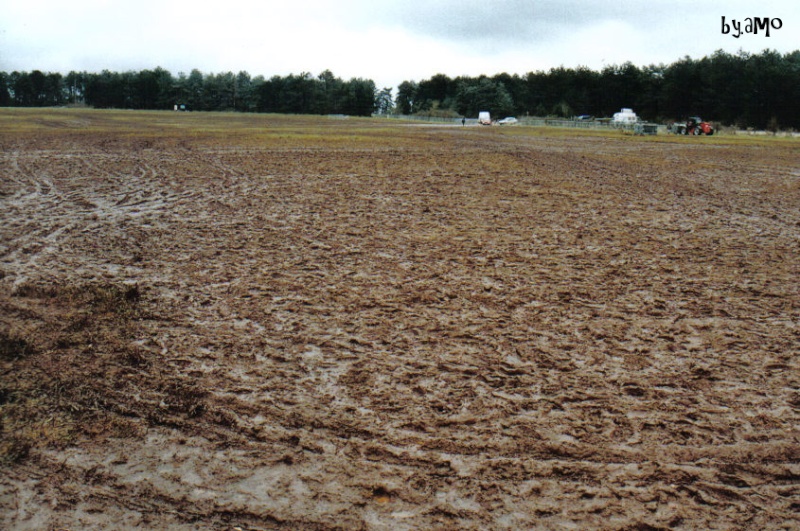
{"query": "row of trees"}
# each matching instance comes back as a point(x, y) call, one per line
point(749, 90)
point(159, 89)
point(324, 94)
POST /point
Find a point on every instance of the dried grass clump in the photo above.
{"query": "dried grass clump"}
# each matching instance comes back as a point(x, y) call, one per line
point(75, 371)
point(12, 347)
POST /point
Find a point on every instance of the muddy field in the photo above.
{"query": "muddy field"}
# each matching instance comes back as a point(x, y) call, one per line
point(215, 321)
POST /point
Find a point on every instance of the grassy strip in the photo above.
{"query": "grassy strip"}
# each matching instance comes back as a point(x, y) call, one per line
point(291, 130)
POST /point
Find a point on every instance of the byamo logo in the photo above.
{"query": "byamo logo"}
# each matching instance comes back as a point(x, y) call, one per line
point(751, 26)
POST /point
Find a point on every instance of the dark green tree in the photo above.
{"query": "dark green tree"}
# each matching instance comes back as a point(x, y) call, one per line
point(5, 97)
point(22, 89)
point(243, 93)
point(483, 94)
point(405, 102)
point(146, 93)
point(75, 86)
point(194, 91)
point(383, 101)
point(361, 97)
point(434, 92)
point(329, 93)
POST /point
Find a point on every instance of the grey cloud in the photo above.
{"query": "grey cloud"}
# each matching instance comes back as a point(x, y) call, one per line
point(526, 20)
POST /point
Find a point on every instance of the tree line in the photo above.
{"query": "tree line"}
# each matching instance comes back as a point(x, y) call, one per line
point(742, 89)
point(159, 89)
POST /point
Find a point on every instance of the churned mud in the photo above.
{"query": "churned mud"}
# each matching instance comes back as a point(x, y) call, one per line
point(232, 322)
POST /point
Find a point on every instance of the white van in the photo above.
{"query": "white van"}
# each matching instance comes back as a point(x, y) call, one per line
point(484, 118)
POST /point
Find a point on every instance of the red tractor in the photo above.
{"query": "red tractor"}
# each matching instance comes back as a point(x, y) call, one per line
point(696, 126)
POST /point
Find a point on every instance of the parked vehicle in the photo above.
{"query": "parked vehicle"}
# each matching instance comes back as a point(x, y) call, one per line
point(625, 116)
point(484, 118)
point(510, 120)
point(693, 126)
point(678, 128)
point(696, 126)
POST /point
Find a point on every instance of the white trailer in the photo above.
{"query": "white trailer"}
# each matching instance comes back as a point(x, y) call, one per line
point(625, 116)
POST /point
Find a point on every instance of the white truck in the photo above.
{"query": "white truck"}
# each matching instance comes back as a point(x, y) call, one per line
point(484, 118)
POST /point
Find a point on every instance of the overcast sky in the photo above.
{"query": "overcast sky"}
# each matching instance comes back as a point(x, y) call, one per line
point(385, 40)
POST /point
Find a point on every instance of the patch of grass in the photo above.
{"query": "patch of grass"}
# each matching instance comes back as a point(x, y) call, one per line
point(73, 372)
point(13, 348)
point(121, 300)
point(29, 421)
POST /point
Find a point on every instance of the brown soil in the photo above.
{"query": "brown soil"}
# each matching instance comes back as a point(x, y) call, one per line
point(360, 326)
